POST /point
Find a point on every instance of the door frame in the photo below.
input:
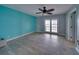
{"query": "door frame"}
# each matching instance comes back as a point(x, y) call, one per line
point(51, 27)
point(75, 24)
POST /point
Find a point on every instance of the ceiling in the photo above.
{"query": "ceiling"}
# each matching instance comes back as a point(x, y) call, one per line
point(33, 8)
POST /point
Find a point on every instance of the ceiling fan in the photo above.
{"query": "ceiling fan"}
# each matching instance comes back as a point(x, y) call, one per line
point(45, 11)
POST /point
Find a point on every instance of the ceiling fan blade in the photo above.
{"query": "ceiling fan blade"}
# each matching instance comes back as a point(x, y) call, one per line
point(38, 12)
point(49, 13)
point(40, 9)
point(50, 10)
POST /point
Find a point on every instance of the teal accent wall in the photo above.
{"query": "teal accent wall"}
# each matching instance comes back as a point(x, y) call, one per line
point(14, 23)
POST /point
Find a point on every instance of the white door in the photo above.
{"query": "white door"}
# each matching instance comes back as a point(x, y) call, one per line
point(54, 26)
point(47, 25)
point(51, 25)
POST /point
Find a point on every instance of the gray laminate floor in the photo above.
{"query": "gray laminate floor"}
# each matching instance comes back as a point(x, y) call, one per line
point(39, 44)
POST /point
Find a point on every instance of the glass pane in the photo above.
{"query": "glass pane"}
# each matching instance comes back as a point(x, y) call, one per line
point(47, 25)
point(54, 30)
point(47, 22)
point(47, 30)
point(54, 22)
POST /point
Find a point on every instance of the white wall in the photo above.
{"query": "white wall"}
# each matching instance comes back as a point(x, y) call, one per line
point(61, 23)
point(68, 22)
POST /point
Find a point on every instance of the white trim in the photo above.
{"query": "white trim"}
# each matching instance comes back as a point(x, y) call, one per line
point(68, 21)
point(19, 36)
point(77, 49)
point(74, 9)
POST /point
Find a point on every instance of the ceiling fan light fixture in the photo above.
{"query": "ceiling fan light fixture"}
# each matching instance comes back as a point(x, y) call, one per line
point(44, 11)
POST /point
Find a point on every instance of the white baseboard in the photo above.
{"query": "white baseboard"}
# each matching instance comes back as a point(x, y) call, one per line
point(19, 36)
point(77, 49)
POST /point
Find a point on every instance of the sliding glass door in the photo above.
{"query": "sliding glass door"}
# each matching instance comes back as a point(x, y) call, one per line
point(51, 25)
